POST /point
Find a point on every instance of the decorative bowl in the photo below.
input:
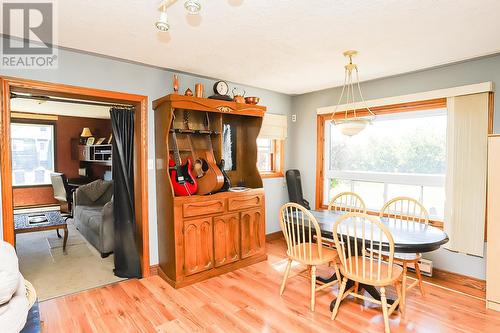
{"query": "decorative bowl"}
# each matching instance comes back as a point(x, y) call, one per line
point(252, 100)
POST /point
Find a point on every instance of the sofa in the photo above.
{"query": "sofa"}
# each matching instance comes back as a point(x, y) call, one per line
point(93, 215)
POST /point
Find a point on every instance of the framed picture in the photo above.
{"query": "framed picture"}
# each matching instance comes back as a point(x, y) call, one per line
point(100, 141)
point(90, 141)
point(110, 138)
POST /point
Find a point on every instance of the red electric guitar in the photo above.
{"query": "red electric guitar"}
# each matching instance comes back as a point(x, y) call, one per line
point(183, 181)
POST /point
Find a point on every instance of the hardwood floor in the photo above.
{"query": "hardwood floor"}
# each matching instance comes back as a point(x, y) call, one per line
point(248, 300)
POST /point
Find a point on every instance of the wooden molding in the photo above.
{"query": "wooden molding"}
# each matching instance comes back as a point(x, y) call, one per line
point(35, 116)
point(10, 84)
point(153, 270)
point(454, 281)
point(274, 236)
point(210, 105)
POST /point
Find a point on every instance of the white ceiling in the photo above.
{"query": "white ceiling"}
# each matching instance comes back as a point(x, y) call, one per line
point(292, 46)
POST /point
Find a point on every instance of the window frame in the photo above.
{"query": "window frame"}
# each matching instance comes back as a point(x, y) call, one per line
point(322, 172)
point(277, 160)
point(54, 145)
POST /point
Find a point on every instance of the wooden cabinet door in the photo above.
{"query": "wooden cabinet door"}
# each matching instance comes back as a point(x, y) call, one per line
point(198, 245)
point(252, 229)
point(226, 239)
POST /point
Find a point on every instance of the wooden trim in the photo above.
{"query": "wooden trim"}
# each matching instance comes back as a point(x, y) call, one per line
point(154, 270)
point(394, 108)
point(10, 84)
point(265, 175)
point(320, 159)
point(274, 236)
point(34, 116)
point(458, 282)
point(470, 89)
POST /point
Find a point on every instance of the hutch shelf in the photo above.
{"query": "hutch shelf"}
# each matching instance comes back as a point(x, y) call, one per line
point(201, 236)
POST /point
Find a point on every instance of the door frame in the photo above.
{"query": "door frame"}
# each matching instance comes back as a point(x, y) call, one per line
point(140, 102)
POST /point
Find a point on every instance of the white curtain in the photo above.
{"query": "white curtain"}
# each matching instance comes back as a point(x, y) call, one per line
point(465, 205)
point(274, 126)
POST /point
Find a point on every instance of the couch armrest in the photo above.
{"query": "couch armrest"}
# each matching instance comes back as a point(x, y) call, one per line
point(107, 236)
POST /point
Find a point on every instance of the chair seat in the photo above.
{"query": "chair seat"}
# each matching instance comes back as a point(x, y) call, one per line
point(364, 274)
point(308, 252)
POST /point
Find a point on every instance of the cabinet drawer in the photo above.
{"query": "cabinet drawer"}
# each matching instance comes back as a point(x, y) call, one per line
point(244, 202)
point(202, 208)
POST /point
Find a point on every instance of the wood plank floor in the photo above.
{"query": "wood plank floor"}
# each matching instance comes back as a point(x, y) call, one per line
point(248, 300)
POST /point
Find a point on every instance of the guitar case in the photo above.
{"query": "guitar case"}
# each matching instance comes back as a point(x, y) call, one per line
point(294, 185)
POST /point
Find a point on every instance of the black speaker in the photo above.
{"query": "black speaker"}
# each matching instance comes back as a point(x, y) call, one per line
point(294, 185)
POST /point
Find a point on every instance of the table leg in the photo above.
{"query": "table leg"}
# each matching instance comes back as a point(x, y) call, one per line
point(65, 238)
point(58, 234)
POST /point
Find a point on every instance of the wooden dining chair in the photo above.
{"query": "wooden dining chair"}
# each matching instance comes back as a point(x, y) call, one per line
point(347, 202)
point(362, 239)
point(299, 227)
point(407, 212)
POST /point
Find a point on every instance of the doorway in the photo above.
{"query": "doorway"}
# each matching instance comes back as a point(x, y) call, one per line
point(9, 86)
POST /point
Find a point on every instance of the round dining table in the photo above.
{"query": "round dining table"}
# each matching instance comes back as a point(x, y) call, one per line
point(409, 237)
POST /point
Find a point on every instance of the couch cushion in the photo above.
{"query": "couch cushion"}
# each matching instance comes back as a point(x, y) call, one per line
point(95, 189)
point(94, 222)
point(9, 272)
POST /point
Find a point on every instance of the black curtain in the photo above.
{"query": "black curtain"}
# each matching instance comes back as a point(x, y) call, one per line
point(127, 261)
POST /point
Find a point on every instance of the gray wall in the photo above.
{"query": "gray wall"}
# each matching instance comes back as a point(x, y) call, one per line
point(93, 71)
point(303, 132)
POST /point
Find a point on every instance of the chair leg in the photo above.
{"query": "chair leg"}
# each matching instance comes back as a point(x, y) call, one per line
point(313, 287)
point(339, 298)
point(419, 277)
point(383, 299)
point(285, 277)
point(402, 309)
point(58, 234)
point(403, 287)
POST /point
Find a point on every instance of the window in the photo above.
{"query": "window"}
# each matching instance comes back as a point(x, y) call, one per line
point(32, 153)
point(269, 157)
point(401, 154)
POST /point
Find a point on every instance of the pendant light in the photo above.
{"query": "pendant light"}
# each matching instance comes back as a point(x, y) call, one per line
point(352, 123)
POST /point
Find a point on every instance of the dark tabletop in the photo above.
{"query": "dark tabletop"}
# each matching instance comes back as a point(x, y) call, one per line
point(54, 218)
point(409, 237)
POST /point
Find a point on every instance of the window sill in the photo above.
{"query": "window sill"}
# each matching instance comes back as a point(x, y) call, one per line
point(30, 186)
point(271, 174)
point(435, 223)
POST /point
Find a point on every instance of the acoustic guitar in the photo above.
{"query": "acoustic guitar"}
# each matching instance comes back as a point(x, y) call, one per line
point(182, 179)
point(209, 177)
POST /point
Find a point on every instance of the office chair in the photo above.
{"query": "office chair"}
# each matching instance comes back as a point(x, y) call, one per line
point(64, 194)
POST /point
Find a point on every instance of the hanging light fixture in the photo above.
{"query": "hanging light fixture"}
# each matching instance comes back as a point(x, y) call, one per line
point(162, 23)
point(193, 7)
point(351, 124)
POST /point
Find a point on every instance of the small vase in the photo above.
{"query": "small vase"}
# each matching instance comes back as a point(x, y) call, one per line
point(176, 84)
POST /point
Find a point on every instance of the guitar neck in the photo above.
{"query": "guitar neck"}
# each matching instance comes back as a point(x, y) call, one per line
point(177, 155)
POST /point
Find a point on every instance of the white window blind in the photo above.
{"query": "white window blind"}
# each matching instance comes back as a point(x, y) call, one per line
point(465, 204)
point(274, 126)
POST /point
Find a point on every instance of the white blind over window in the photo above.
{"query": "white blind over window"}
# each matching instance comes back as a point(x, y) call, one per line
point(274, 126)
point(465, 205)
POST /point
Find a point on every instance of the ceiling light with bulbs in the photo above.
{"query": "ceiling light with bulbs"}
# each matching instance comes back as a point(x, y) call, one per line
point(193, 7)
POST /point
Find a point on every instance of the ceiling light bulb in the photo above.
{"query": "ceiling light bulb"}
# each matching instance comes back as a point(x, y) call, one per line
point(193, 6)
point(162, 23)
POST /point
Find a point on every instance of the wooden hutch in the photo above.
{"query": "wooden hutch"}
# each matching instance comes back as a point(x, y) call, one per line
point(201, 236)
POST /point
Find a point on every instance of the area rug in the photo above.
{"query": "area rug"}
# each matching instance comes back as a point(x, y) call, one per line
point(54, 273)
